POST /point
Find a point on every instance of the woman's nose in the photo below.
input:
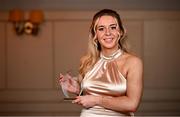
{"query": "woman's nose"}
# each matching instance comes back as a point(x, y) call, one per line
point(107, 32)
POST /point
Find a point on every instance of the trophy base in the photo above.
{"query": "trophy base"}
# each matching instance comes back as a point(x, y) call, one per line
point(69, 99)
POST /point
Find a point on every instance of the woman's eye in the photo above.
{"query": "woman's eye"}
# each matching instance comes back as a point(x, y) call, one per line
point(113, 27)
point(100, 29)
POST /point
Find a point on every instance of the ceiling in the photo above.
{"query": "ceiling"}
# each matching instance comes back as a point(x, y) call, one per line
point(91, 4)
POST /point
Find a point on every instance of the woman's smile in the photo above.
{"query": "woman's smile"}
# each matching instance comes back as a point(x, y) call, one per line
point(108, 40)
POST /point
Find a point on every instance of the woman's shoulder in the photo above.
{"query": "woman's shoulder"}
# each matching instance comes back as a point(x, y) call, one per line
point(131, 59)
point(128, 62)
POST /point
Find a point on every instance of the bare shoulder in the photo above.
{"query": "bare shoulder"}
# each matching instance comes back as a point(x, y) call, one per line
point(134, 67)
point(129, 63)
point(133, 61)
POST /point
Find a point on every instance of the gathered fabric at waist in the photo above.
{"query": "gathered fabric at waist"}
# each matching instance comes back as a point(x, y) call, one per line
point(98, 111)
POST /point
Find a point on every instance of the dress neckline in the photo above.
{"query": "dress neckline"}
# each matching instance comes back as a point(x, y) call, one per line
point(114, 55)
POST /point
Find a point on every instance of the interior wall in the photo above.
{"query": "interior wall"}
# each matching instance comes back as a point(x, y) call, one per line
point(30, 65)
point(91, 4)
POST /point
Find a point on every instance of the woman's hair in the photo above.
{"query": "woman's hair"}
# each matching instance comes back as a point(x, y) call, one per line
point(94, 47)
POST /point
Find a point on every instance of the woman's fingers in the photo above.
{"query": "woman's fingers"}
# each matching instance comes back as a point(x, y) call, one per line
point(77, 100)
point(61, 78)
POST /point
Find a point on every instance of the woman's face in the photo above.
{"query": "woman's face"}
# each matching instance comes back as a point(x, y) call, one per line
point(107, 31)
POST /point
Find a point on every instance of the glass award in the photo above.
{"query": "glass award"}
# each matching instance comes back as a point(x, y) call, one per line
point(65, 85)
point(67, 95)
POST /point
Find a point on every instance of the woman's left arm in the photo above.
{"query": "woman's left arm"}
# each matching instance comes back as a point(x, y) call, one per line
point(129, 102)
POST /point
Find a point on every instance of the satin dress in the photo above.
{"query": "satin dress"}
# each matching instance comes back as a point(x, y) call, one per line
point(104, 79)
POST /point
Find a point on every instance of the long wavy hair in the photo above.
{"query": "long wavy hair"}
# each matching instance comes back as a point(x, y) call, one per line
point(94, 48)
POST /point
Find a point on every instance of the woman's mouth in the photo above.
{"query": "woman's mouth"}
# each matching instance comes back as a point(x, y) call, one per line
point(108, 40)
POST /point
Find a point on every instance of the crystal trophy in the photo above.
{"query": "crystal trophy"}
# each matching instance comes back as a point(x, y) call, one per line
point(65, 84)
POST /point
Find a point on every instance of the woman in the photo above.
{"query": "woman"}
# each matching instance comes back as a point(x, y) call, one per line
point(110, 77)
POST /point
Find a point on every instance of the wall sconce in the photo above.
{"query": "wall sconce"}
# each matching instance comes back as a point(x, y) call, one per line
point(17, 17)
point(30, 26)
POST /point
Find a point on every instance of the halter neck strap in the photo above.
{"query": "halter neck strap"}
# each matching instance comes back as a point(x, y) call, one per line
point(114, 55)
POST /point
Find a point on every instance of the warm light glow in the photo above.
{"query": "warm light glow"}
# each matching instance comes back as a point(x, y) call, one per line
point(36, 16)
point(27, 26)
point(16, 15)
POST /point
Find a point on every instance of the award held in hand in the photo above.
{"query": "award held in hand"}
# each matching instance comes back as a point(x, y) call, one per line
point(69, 85)
point(67, 95)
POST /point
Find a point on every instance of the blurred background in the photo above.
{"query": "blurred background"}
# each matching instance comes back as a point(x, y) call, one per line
point(41, 38)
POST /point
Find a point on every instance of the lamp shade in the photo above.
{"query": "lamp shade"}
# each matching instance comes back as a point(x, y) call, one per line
point(16, 15)
point(36, 16)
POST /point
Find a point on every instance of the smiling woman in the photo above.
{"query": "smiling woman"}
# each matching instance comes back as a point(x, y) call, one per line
point(110, 77)
point(108, 33)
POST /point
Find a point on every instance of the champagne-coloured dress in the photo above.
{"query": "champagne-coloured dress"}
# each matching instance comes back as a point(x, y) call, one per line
point(104, 79)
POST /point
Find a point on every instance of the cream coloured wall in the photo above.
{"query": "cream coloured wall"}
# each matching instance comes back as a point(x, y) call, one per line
point(30, 65)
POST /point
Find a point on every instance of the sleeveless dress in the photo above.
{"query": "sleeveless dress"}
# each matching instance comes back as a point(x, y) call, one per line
point(104, 79)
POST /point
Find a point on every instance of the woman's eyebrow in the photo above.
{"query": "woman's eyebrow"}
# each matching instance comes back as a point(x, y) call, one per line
point(100, 26)
point(113, 25)
point(105, 26)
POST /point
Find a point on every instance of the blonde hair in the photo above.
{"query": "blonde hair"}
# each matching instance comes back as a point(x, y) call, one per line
point(94, 48)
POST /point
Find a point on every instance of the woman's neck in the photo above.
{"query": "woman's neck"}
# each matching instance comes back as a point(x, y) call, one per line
point(108, 52)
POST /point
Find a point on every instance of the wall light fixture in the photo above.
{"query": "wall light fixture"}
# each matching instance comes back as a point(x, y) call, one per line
point(28, 26)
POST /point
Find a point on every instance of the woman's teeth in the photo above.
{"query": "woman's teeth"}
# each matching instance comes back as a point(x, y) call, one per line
point(108, 39)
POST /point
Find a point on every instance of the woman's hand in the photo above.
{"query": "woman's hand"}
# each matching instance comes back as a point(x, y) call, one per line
point(69, 83)
point(87, 101)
